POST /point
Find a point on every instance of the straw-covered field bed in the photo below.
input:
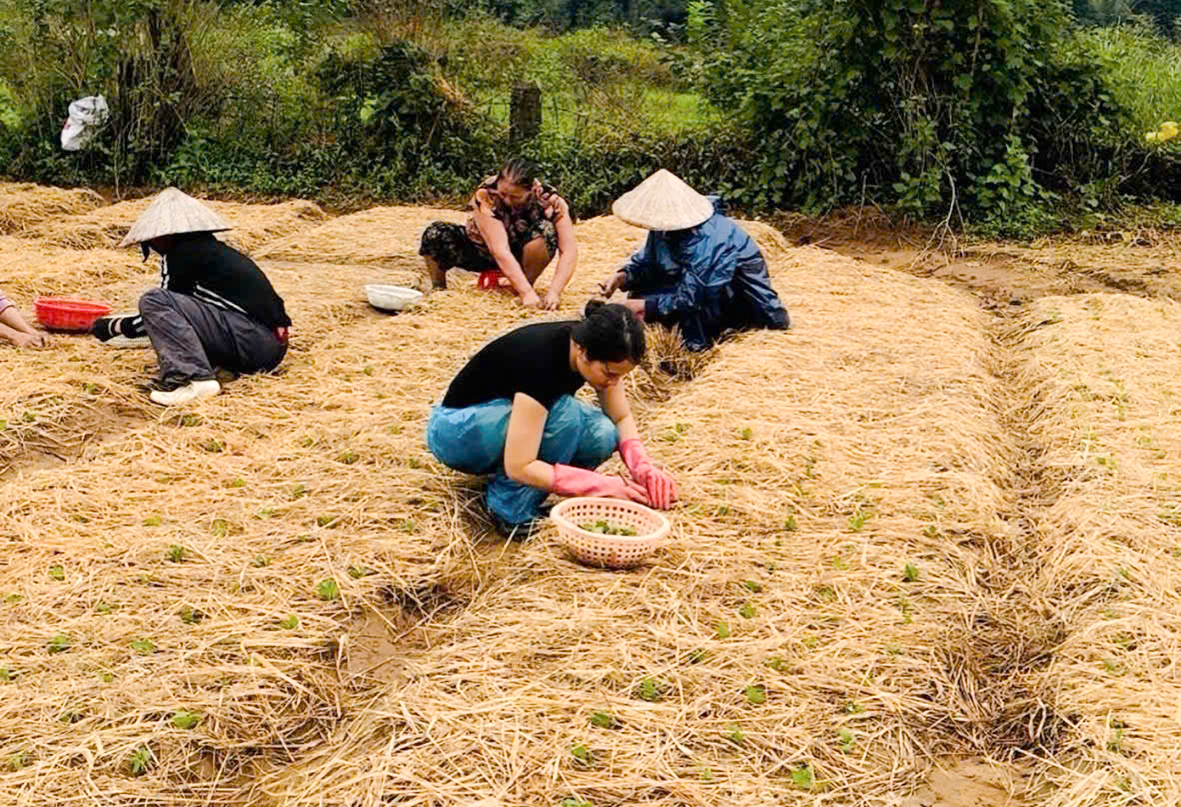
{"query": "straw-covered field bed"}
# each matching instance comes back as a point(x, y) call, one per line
point(906, 534)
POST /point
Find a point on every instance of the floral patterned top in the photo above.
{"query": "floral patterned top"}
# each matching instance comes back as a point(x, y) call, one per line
point(522, 224)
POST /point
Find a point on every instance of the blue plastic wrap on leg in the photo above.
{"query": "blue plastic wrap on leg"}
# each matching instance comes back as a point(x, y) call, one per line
point(599, 438)
point(516, 503)
point(470, 439)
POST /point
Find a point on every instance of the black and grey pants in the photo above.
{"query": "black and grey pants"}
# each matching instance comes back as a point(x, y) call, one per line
point(192, 338)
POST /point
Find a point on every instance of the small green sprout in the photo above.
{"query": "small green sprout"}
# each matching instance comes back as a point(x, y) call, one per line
point(775, 663)
point(175, 553)
point(722, 630)
point(846, 739)
point(328, 589)
point(348, 457)
point(756, 694)
point(852, 708)
point(910, 573)
point(102, 607)
point(184, 719)
point(735, 734)
point(260, 561)
point(18, 760)
point(236, 482)
point(145, 647)
point(141, 760)
point(582, 755)
point(6, 675)
point(698, 655)
point(153, 521)
point(651, 690)
point(190, 615)
point(289, 622)
point(753, 586)
point(57, 573)
point(802, 777)
point(858, 519)
point(747, 433)
point(603, 720)
point(298, 492)
point(747, 611)
point(59, 643)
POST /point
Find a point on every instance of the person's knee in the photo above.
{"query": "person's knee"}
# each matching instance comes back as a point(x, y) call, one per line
point(600, 437)
point(153, 300)
point(564, 421)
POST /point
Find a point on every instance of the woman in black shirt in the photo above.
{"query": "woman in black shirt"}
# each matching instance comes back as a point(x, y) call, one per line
point(510, 412)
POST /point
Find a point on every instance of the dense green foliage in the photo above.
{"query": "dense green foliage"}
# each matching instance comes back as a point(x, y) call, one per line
point(1011, 114)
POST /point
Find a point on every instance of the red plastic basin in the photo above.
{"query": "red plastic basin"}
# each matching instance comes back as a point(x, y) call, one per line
point(68, 313)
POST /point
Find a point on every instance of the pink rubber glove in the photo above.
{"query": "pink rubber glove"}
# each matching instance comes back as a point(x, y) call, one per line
point(659, 484)
point(571, 481)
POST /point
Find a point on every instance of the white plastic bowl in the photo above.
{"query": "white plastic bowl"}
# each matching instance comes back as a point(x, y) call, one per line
point(391, 298)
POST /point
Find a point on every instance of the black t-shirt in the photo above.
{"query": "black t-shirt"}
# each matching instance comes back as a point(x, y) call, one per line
point(534, 359)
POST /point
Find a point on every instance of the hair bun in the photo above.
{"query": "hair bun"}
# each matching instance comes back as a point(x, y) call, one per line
point(592, 305)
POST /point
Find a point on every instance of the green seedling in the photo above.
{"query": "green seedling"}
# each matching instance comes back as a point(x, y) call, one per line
point(931, 531)
point(367, 369)
point(175, 553)
point(307, 442)
point(220, 527)
point(324, 521)
point(106, 676)
point(190, 420)
point(698, 655)
point(145, 647)
point(775, 663)
point(260, 561)
point(214, 446)
point(58, 644)
point(18, 760)
point(102, 607)
point(651, 690)
point(69, 716)
point(705, 774)
point(289, 622)
point(910, 573)
point(298, 492)
point(1114, 668)
point(826, 594)
point(852, 708)
point(6, 675)
point(13, 598)
point(141, 761)
point(263, 514)
point(184, 719)
point(414, 462)
point(328, 589)
point(236, 482)
point(802, 777)
point(747, 433)
point(190, 615)
point(840, 564)
point(735, 734)
point(603, 720)
point(582, 755)
point(753, 586)
point(810, 642)
point(846, 739)
point(747, 611)
point(1124, 641)
point(893, 649)
point(348, 457)
point(722, 630)
point(153, 521)
point(28, 417)
point(857, 520)
point(756, 694)
point(57, 573)
point(574, 802)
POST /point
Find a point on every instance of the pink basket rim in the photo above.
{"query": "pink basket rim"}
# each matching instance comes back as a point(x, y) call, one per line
point(558, 514)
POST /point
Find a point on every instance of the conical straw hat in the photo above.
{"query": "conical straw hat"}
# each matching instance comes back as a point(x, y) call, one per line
point(173, 212)
point(663, 202)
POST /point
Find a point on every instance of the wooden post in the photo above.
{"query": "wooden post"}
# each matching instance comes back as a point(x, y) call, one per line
point(525, 113)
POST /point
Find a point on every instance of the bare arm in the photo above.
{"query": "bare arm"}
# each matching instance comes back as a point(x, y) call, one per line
point(495, 236)
point(567, 247)
point(615, 405)
point(526, 424)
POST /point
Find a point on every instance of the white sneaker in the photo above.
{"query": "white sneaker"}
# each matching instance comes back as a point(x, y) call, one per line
point(189, 392)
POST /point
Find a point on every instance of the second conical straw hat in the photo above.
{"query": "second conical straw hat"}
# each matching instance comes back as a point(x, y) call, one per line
point(173, 212)
point(663, 202)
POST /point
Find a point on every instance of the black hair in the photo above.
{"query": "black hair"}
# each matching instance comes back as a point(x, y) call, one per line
point(610, 332)
point(520, 171)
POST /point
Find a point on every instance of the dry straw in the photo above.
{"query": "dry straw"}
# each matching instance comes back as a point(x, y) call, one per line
point(1106, 378)
point(279, 597)
point(23, 205)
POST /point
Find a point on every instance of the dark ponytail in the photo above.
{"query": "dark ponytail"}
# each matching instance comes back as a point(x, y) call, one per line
point(520, 171)
point(610, 332)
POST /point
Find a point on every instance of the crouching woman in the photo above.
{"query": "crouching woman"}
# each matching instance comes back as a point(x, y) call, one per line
point(510, 412)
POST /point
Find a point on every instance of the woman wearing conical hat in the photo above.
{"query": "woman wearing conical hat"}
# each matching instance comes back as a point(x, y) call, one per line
point(697, 269)
point(214, 308)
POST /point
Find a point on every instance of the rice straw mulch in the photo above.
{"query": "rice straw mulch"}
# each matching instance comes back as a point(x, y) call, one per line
point(255, 225)
point(23, 204)
point(781, 649)
point(374, 236)
point(1106, 379)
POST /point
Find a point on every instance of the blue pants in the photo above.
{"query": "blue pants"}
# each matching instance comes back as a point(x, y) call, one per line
point(472, 440)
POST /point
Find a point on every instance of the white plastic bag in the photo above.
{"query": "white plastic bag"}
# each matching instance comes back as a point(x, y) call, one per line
point(87, 115)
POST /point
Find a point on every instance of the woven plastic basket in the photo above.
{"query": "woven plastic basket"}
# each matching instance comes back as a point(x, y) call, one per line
point(68, 314)
point(611, 551)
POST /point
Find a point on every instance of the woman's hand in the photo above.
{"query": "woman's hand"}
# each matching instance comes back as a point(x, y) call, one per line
point(531, 300)
point(636, 307)
point(25, 339)
point(551, 300)
point(658, 483)
point(571, 481)
point(612, 282)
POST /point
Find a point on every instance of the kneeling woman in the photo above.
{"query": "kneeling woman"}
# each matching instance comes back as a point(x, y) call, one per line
point(511, 413)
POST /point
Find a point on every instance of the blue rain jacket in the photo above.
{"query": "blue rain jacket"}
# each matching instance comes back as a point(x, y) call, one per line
point(706, 279)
